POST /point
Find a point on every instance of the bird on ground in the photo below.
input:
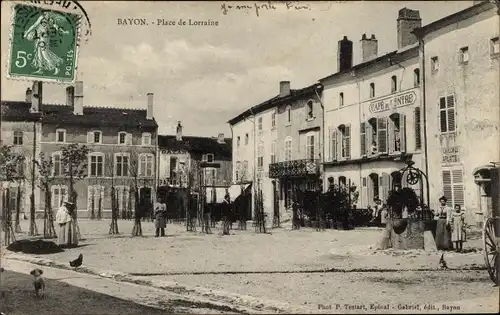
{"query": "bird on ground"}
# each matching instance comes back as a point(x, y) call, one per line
point(442, 262)
point(77, 262)
point(1, 269)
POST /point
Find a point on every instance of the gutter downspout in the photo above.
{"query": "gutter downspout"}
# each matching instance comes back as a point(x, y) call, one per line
point(232, 155)
point(322, 138)
point(424, 116)
point(254, 164)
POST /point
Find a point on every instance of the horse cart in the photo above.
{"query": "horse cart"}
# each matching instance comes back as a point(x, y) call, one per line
point(491, 228)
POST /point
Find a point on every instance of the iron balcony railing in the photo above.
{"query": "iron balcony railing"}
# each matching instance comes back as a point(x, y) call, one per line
point(294, 168)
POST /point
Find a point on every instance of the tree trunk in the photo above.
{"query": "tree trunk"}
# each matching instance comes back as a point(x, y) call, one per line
point(113, 228)
point(33, 227)
point(18, 210)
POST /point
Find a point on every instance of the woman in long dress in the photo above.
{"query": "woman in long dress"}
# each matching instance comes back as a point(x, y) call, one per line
point(44, 59)
point(458, 228)
point(160, 213)
point(443, 230)
point(63, 219)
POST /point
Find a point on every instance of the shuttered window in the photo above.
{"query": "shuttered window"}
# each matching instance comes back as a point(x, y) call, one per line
point(345, 138)
point(385, 183)
point(418, 136)
point(362, 139)
point(382, 135)
point(59, 194)
point(334, 145)
point(95, 198)
point(447, 114)
point(453, 187)
point(364, 192)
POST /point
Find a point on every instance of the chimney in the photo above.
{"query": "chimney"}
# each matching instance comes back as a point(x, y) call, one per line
point(284, 88)
point(78, 99)
point(28, 95)
point(408, 20)
point(149, 112)
point(70, 96)
point(344, 55)
point(220, 138)
point(369, 48)
point(179, 131)
point(36, 97)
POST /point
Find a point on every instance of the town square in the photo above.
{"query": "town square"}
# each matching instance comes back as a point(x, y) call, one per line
point(173, 170)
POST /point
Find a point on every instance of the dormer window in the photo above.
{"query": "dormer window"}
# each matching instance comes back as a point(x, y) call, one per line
point(94, 137)
point(61, 135)
point(207, 158)
point(146, 138)
point(341, 99)
point(122, 137)
point(372, 90)
point(394, 84)
point(288, 112)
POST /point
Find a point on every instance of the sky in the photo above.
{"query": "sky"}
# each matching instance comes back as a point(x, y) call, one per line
point(205, 75)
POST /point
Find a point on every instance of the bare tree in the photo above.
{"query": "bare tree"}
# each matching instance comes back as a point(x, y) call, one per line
point(114, 169)
point(45, 167)
point(241, 177)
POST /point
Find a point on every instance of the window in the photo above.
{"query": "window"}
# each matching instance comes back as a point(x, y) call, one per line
point(273, 120)
point(246, 139)
point(372, 90)
point(95, 198)
point(341, 99)
point(60, 135)
point(416, 77)
point(288, 111)
point(57, 166)
point(96, 164)
point(453, 187)
point(373, 187)
point(122, 137)
point(362, 133)
point(447, 114)
point(273, 152)
point(495, 46)
point(418, 136)
point(288, 149)
point(260, 156)
point(333, 145)
point(394, 84)
point(18, 138)
point(376, 135)
point(238, 141)
point(344, 133)
point(123, 199)
point(146, 165)
point(343, 181)
point(244, 170)
point(310, 147)
point(237, 171)
point(260, 123)
point(434, 64)
point(210, 158)
point(121, 164)
point(210, 176)
point(94, 137)
point(59, 195)
point(397, 133)
point(464, 55)
point(310, 110)
point(146, 138)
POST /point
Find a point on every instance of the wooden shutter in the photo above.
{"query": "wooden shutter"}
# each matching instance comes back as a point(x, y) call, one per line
point(382, 134)
point(364, 192)
point(330, 149)
point(402, 132)
point(450, 108)
point(90, 198)
point(418, 136)
point(334, 145)
point(339, 144)
point(370, 188)
point(90, 137)
point(369, 138)
point(387, 185)
point(447, 186)
point(128, 140)
point(362, 133)
point(391, 146)
point(458, 187)
point(442, 115)
point(381, 189)
point(347, 135)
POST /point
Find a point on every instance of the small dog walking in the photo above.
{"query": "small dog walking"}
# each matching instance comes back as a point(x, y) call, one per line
point(38, 283)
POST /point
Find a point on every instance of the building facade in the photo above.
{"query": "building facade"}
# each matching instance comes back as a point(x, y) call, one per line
point(460, 57)
point(122, 155)
point(373, 115)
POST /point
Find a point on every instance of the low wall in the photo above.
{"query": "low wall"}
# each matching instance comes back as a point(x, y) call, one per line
point(409, 233)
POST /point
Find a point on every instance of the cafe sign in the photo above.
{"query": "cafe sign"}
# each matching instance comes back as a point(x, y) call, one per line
point(393, 102)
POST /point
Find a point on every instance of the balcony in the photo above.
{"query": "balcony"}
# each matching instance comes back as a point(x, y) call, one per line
point(294, 168)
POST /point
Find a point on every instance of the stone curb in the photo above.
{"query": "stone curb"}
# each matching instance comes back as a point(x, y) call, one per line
point(237, 302)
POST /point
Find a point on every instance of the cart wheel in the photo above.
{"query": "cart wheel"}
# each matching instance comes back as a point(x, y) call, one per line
point(490, 241)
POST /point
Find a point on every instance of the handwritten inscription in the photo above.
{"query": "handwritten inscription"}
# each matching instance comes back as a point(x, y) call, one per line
point(269, 6)
point(389, 103)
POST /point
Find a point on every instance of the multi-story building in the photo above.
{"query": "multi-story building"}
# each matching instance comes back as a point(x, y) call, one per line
point(296, 153)
point(460, 57)
point(122, 145)
point(373, 114)
point(180, 163)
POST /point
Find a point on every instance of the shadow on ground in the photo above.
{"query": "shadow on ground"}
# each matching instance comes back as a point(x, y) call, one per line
point(38, 247)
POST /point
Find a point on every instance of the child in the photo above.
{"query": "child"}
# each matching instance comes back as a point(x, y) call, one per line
point(458, 228)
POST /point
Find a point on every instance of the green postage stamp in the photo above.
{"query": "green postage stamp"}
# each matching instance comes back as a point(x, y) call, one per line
point(44, 44)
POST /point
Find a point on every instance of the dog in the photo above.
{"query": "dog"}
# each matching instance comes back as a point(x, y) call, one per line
point(38, 282)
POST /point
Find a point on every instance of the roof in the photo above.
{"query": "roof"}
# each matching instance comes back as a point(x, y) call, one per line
point(454, 18)
point(92, 116)
point(386, 60)
point(197, 145)
point(276, 100)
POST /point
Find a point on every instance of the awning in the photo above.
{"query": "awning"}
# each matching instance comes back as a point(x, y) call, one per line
point(483, 168)
point(235, 190)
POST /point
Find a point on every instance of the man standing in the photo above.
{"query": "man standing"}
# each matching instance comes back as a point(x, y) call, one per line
point(226, 213)
point(160, 213)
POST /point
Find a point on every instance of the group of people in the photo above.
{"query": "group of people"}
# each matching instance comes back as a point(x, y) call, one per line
point(451, 227)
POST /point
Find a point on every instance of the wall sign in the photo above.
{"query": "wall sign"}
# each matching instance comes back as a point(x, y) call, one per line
point(450, 155)
point(405, 99)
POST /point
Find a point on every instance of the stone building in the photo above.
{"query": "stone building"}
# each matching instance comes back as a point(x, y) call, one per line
point(373, 114)
point(459, 58)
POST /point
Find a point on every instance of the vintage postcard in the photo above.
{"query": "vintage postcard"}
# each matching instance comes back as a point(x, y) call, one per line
point(250, 157)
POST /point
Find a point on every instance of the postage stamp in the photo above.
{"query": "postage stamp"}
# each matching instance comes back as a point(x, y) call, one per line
point(44, 44)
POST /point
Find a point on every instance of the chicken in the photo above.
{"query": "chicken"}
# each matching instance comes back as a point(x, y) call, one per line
point(77, 262)
point(442, 262)
point(1, 269)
